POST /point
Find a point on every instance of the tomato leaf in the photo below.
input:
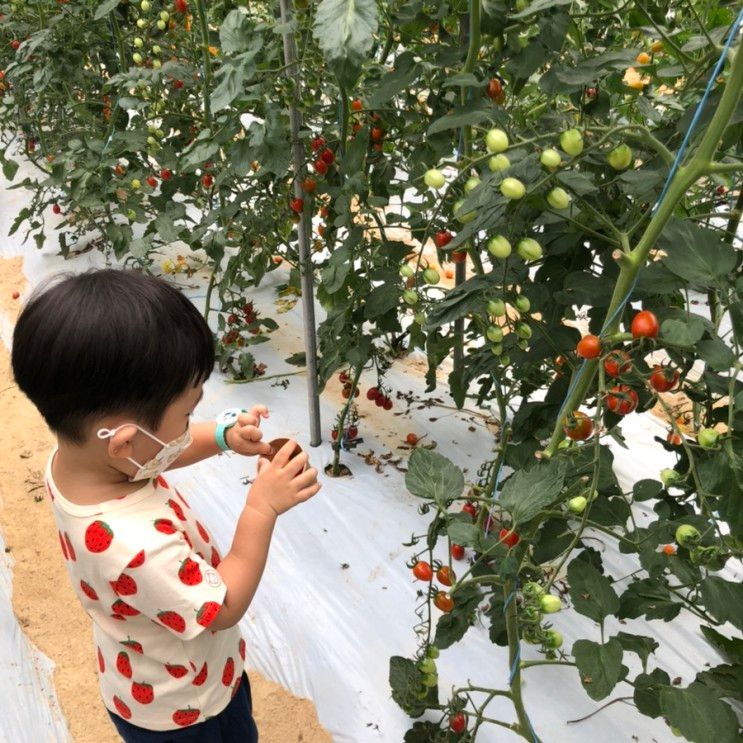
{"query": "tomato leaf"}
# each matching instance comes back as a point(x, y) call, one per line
point(591, 592)
point(730, 648)
point(406, 71)
point(105, 8)
point(462, 116)
point(682, 332)
point(723, 599)
point(406, 679)
point(527, 492)
point(725, 680)
point(699, 714)
point(648, 598)
point(236, 34)
point(640, 644)
point(599, 666)
point(452, 627)
point(647, 691)
point(431, 475)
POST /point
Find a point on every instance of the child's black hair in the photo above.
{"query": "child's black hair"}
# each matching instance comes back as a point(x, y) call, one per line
point(108, 342)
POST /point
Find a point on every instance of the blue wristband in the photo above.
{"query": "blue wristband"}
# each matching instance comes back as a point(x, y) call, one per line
point(225, 420)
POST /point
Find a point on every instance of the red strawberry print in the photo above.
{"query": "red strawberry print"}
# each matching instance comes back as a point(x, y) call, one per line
point(118, 617)
point(124, 586)
point(123, 609)
point(229, 672)
point(185, 717)
point(188, 539)
point(193, 667)
point(63, 546)
point(123, 666)
point(177, 510)
point(142, 693)
point(88, 591)
point(70, 550)
point(162, 483)
point(202, 531)
point(173, 620)
point(165, 526)
point(201, 676)
point(185, 503)
point(122, 709)
point(137, 561)
point(101, 662)
point(216, 559)
point(176, 671)
point(189, 572)
point(98, 537)
point(207, 613)
point(241, 648)
point(133, 645)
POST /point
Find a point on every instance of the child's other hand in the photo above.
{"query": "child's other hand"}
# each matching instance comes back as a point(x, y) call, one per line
point(245, 436)
point(282, 483)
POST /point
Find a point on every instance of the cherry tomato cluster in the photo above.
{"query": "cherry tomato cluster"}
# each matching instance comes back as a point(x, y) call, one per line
point(325, 157)
point(380, 399)
point(532, 605)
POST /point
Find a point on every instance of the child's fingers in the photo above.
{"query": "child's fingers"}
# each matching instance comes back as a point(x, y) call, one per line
point(262, 464)
point(306, 478)
point(248, 419)
point(263, 447)
point(250, 433)
point(259, 411)
point(283, 454)
point(296, 465)
point(307, 493)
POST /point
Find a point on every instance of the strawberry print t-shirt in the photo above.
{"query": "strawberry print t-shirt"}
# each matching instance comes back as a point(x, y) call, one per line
point(143, 568)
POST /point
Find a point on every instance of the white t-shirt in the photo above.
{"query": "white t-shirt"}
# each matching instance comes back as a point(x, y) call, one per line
point(143, 569)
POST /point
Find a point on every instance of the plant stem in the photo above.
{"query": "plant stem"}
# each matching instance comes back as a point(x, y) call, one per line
point(203, 24)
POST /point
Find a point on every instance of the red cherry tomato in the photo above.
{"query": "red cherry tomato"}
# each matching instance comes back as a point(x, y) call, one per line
point(457, 551)
point(318, 143)
point(356, 104)
point(577, 426)
point(411, 439)
point(644, 325)
point(442, 238)
point(459, 256)
point(673, 438)
point(327, 156)
point(377, 134)
point(617, 363)
point(297, 205)
point(621, 399)
point(57, 209)
point(165, 174)
point(443, 601)
point(353, 432)
point(663, 378)
point(387, 405)
point(207, 181)
point(471, 509)
point(458, 723)
point(422, 570)
point(320, 167)
point(309, 185)
point(509, 538)
point(495, 90)
point(152, 181)
point(181, 6)
point(589, 347)
point(445, 575)
point(372, 393)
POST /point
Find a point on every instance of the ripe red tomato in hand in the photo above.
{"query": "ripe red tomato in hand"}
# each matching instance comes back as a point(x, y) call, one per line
point(422, 570)
point(589, 347)
point(509, 538)
point(617, 363)
point(644, 325)
point(442, 238)
point(471, 509)
point(663, 378)
point(458, 723)
point(445, 575)
point(457, 551)
point(577, 426)
point(443, 601)
point(621, 399)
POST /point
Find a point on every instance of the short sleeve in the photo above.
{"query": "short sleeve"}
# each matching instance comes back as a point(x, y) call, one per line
point(172, 585)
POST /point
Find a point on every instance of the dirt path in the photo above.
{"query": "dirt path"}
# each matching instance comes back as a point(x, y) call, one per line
point(43, 600)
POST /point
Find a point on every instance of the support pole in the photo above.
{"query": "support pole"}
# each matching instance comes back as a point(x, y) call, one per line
point(304, 230)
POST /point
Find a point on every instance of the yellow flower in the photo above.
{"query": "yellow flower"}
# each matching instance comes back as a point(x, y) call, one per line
point(213, 51)
point(168, 266)
point(634, 80)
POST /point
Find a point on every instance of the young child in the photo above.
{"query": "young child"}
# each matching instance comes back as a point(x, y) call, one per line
point(115, 361)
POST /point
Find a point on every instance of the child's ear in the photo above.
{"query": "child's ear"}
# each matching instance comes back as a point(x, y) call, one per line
point(120, 444)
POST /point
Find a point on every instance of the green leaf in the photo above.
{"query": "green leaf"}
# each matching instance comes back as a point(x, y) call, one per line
point(236, 33)
point(646, 489)
point(459, 117)
point(231, 78)
point(682, 333)
point(104, 9)
point(716, 353)
point(648, 598)
point(699, 714)
point(640, 644)
point(463, 531)
point(165, 228)
point(730, 648)
point(431, 475)
point(725, 680)
point(344, 30)
point(539, 5)
point(647, 691)
point(452, 627)
point(405, 680)
point(297, 359)
point(527, 492)
point(723, 599)
point(599, 666)
point(591, 592)
point(381, 300)
point(696, 254)
point(459, 302)
point(406, 71)
point(10, 167)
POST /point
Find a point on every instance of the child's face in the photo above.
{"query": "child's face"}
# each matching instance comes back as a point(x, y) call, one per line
point(130, 443)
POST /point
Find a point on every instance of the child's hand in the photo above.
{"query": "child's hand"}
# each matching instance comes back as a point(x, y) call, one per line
point(282, 484)
point(245, 436)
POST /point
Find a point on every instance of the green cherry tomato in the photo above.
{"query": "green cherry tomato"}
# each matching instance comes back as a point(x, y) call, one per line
point(471, 184)
point(523, 330)
point(707, 438)
point(620, 157)
point(145, 5)
point(131, 214)
point(494, 334)
point(137, 58)
point(431, 276)
point(434, 178)
point(558, 198)
point(550, 158)
point(164, 15)
point(529, 249)
point(550, 604)
point(427, 666)
point(505, 359)
point(512, 188)
point(670, 477)
point(410, 296)
point(433, 652)
point(156, 64)
point(496, 140)
point(499, 247)
point(141, 23)
point(138, 42)
point(496, 349)
point(496, 307)
point(552, 638)
point(522, 5)
point(578, 504)
point(498, 163)
point(687, 535)
point(430, 680)
point(463, 218)
point(532, 590)
point(522, 303)
point(162, 25)
point(406, 271)
point(419, 317)
point(571, 142)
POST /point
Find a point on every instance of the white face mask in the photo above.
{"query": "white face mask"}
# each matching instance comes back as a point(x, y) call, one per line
point(162, 460)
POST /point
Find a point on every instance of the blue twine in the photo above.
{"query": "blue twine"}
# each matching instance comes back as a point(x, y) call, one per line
point(735, 27)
